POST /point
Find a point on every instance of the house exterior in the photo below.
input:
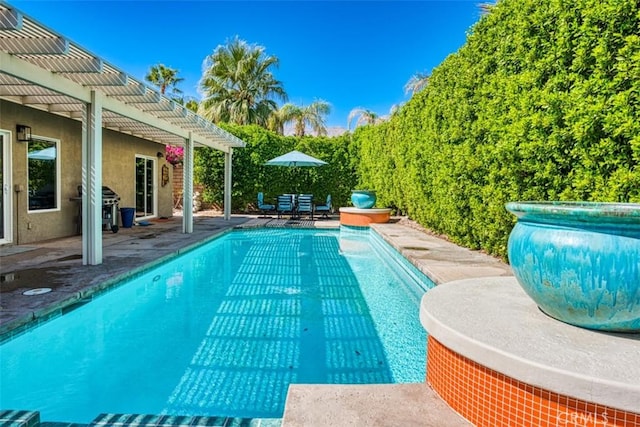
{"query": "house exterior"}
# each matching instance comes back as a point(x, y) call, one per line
point(71, 124)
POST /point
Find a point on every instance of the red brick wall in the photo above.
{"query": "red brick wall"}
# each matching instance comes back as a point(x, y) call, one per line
point(178, 184)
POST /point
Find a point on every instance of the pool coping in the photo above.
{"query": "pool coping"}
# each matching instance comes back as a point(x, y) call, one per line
point(438, 259)
point(494, 323)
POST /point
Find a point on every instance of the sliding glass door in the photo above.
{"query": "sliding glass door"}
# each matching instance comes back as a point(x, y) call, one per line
point(145, 187)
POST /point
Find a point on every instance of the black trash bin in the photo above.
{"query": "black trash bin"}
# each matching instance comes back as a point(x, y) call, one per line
point(127, 215)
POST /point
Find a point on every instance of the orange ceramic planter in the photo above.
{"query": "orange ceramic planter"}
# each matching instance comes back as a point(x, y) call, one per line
point(363, 217)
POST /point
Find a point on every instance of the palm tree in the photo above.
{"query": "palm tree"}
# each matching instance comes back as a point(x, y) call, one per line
point(394, 109)
point(164, 78)
point(192, 105)
point(313, 115)
point(238, 86)
point(275, 122)
point(365, 117)
point(416, 83)
point(485, 8)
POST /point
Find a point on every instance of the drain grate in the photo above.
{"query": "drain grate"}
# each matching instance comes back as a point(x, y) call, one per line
point(37, 291)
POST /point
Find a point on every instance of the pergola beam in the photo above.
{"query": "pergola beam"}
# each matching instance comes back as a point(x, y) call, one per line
point(33, 47)
point(10, 20)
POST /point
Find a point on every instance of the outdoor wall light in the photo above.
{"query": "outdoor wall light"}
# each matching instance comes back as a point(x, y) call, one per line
point(23, 133)
point(159, 154)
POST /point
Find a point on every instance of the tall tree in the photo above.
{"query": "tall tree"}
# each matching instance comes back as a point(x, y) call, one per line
point(275, 122)
point(485, 8)
point(238, 85)
point(364, 117)
point(165, 78)
point(416, 83)
point(192, 105)
point(313, 116)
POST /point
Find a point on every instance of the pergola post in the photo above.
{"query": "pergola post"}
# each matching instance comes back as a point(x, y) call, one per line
point(92, 181)
point(228, 157)
point(187, 187)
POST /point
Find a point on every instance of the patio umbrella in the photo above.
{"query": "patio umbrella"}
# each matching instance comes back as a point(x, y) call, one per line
point(295, 159)
point(44, 154)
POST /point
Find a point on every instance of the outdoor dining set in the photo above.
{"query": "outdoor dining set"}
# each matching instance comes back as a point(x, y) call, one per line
point(295, 205)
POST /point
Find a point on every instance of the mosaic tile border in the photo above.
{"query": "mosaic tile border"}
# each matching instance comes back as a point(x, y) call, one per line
point(355, 228)
point(15, 418)
point(381, 244)
point(132, 420)
point(139, 420)
point(488, 398)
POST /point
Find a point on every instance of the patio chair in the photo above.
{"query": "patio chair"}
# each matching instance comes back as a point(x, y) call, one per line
point(264, 207)
point(285, 205)
point(305, 205)
point(325, 209)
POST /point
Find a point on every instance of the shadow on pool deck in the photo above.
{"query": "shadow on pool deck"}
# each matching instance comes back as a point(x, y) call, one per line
point(57, 264)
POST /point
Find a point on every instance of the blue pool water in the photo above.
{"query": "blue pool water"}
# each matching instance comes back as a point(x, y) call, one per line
point(224, 329)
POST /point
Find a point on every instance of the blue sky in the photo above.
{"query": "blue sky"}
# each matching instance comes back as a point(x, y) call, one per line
point(349, 53)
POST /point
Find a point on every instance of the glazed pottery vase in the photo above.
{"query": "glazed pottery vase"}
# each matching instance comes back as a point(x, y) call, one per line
point(580, 261)
point(363, 199)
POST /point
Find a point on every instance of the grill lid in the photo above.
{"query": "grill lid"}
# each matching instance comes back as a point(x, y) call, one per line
point(109, 197)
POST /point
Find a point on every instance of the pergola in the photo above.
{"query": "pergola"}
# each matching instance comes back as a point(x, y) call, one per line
point(42, 69)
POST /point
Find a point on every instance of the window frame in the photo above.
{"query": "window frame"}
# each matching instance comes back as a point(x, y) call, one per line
point(156, 163)
point(7, 188)
point(56, 143)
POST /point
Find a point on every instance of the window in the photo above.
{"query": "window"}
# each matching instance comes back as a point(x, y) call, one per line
point(43, 175)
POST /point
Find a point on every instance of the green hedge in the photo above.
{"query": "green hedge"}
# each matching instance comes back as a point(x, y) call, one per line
point(541, 103)
point(251, 175)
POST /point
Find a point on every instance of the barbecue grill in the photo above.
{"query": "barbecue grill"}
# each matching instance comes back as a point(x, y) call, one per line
point(110, 201)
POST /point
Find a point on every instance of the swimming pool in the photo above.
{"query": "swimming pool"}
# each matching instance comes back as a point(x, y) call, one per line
point(224, 329)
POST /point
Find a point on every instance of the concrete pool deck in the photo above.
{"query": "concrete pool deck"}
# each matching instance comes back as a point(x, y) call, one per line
point(57, 264)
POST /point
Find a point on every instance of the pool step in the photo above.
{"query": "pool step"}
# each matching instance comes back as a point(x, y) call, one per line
point(405, 405)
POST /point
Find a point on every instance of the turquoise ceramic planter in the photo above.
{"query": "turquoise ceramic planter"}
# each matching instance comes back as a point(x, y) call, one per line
point(363, 199)
point(580, 261)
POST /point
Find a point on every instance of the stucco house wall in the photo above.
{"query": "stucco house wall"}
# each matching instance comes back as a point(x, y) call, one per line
point(118, 153)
